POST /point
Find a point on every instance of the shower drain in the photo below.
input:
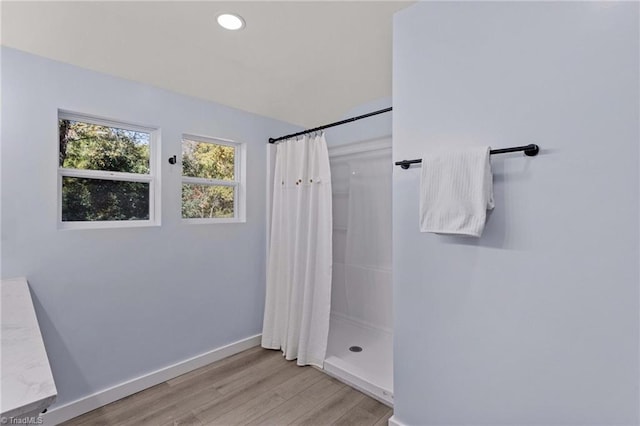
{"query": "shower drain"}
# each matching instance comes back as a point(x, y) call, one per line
point(355, 349)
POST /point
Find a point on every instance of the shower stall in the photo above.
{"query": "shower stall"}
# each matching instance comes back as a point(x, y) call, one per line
point(360, 348)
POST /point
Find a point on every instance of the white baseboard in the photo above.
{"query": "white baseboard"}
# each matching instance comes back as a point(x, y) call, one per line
point(394, 422)
point(91, 402)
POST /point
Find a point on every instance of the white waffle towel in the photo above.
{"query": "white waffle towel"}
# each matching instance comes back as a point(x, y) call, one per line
point(456, 190)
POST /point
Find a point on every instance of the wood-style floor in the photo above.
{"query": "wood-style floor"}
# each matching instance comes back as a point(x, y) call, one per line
point(255, 387)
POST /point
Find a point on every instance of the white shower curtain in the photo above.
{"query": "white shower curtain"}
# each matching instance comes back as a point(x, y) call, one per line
point(298, 299)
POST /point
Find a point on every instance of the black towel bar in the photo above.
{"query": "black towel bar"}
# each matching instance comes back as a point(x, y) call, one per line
point(530, 150)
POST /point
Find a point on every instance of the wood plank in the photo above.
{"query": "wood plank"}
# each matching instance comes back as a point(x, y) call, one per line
point(257, 407)
point(301, 402)
point(109, 413)
point(356, 417)
point(187, 419)
point(324, 388)
point(299, 383)
point(246, 377)
point(202, 389)
point(367, 412)
point(166, 405)
point(331, 409)
point(373, 407)
point(250, 410)
point(241, 358)
point(384, 420)
point(265, 381)
point(221, 374)
point(285, 413)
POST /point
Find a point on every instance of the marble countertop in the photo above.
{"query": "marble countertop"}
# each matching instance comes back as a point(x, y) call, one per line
point(27, 383)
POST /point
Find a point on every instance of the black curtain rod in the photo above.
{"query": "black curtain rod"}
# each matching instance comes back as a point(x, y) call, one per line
point(326, 126)
point(531, 150)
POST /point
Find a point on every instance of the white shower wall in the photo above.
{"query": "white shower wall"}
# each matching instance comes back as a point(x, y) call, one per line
point(361, 306)
point(361, 287)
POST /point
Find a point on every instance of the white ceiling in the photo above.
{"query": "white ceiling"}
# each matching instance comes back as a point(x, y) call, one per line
point(303, 62)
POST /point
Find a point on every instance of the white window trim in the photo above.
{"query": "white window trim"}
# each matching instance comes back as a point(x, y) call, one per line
point(240, 158)
point(153, 178)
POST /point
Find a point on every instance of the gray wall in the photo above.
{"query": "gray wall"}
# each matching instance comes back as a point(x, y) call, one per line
point(537, 321)
point(117, 303)
point(371, 128)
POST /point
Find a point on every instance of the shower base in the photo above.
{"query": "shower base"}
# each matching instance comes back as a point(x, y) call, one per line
point(370, 370)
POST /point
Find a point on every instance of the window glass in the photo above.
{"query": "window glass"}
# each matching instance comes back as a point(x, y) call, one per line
point(106, 172)
point(99, 200)
point(207, 201)
point(208, 160)
point(88, 146)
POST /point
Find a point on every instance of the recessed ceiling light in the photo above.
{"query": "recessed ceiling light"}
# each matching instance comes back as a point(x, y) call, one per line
point(230, 21)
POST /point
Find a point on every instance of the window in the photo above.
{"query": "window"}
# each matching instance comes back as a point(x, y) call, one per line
point(212, 180)
point(106, 173)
